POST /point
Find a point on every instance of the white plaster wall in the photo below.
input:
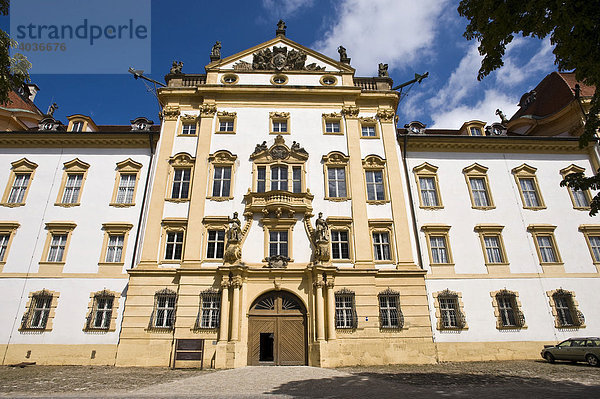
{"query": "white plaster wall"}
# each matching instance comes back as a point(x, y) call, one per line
point(481, 320)
point(294, 79)
point(70, 315)
point(509, 212)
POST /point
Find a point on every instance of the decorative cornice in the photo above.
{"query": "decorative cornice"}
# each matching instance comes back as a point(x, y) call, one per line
point(333, 115)
point(189, 118)
point(208, 110)
point(281, 115)
point(227, 114)
point(72, 140)
point(170, 113)
point(350, 111)
point(386, 115)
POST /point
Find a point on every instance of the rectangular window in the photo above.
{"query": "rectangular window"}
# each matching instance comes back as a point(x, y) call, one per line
point(344, 311)
point(340, 246)
point(279, 178)
point(479, 190)
point(388, 311)
point(428, 191)
point(126, 188)
point(174, 245)
point(3, 245)
point(449, 312)
point(222, 181)
point(439, 252)
point(77, 127)
point(226, 125)
point(594, 244)
point(280, 126)
point(57, 248)
point(563, 309)
point(368, 131)
point(580, 197)
point(17, 191)
point(164, 311)
point(278, 243)
point(216, 244)
point(103, 311)
point(375, 191)
point(506, 309)
point(476, 131)
point(530, 194)
point(211, 305)
point(381, 245)
point(546, 247)
point(261, 179)
point(332, 127)
point(40, 312)
point(493, 249)
point(72, 188)
point(181, 183)
point(114, 249)
point(336, 182)
point(188, 128)
point(296, 179)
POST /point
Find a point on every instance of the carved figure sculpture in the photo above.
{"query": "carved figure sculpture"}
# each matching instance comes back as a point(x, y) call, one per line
point(233, 249)
point(383, 71)
point(281, 25)
point(501, 115)
point(176, 67)
point(321, 239)
point(215, 53)
point(342, 51)
point(53, 107)
point(260, 147)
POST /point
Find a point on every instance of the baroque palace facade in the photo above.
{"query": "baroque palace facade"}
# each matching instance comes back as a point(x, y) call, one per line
point(282, 218)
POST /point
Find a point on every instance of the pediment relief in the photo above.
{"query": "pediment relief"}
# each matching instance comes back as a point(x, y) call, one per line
point(182, 159)
point(76, 165)
point(475, 169)
point(524, 170)
point(129, 165)
point(425, 167)
point(373, 161)
point(222, 157)
point(23, 164)
point(279, 151)
point(335, 157)
point(572, 169)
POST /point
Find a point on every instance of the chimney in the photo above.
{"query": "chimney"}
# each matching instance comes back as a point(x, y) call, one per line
point(33, 89)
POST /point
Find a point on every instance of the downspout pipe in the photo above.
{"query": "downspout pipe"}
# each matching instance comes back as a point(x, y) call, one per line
point(411, 204)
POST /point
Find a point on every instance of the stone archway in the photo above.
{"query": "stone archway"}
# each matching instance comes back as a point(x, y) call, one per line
point(277, 333)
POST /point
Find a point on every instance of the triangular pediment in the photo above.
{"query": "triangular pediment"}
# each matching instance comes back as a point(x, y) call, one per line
point(279, 54)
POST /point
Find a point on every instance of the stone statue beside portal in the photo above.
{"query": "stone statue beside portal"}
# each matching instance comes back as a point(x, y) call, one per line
point(321, 239)
point(233, 246)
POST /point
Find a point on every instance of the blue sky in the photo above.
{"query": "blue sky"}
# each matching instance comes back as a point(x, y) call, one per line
point(409, 36)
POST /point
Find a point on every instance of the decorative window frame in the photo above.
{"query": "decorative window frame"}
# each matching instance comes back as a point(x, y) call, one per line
point(547, 230)
point(213, 223)
point(152, 323)
point(181, 160)
point(172, 225)
point(279, 117)
point(354, 321)
point(126, 167)
point(111, 229)
point(91, 313)
point(322, 80)
point(224, 116)
point(9, 229)
point(376, 163)
point(278, 224)
point(21, 166)
point(198, 324)
point(576, 314)
point(227, 75)
point(73, 167)
point(526, 171)
point(479, 172)
point(342, 223)
point(333, 117)
point(222, 158)
point(576, 169)
point(460, 313)
point(369, 121)
point(26, 319)
point(185, 120)
point(279, 75)
point(438, 230)
point(519, 316)
point(591, 230)
point(391, 293)
point(57, 228)
point(383, 226)
point(427, 170)
point(493, 230)
point(335, 159)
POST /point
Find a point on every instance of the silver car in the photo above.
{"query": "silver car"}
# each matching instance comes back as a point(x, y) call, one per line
point(575, 350)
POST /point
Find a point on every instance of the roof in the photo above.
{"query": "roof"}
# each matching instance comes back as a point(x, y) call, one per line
point(17, 101)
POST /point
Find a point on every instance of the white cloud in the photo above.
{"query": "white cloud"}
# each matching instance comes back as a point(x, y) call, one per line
point(484, 110)
point(388, 31)
point(512, 74)
point(284, 8)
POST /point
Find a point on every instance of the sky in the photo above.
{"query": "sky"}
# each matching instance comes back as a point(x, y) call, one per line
point(411, 37)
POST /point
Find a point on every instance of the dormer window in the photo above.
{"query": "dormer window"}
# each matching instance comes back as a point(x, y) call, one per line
point(415, 127)
point(77, 126)
point(476, 131)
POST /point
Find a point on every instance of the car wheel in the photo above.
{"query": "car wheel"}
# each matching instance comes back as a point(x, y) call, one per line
point(592, 360)
point(549, 358)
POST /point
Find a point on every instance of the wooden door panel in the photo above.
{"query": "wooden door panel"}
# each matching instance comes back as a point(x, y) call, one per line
point(257, 325)
point(290, 340)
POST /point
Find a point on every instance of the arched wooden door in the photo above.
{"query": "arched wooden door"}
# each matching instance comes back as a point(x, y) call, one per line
point(277, 330)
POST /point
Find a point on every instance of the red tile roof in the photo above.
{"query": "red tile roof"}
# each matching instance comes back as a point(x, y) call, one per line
point(18, 102)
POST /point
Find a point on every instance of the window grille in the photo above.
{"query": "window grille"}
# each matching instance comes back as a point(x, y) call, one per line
point(102, 309)
point(210, 308)
point(450, 314)
point(390, 315)
point(163, 315)
point(36, 317)
point(345, 310)
point(567, 314)
point(509, 313)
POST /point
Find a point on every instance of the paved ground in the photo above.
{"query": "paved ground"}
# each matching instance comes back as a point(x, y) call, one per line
point(517, 379)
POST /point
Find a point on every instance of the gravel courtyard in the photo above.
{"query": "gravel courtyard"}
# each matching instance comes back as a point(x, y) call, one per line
point(513, 379)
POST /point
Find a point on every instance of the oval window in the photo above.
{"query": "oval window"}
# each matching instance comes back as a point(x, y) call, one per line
point(279, 79)
point(229, 78)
